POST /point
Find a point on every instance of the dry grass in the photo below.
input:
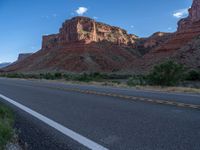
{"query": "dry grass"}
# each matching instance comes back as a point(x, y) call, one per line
point(170, 89)
point(124, 85)
point(6, 123)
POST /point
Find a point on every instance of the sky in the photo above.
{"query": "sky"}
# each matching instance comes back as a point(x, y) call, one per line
point(23, 22)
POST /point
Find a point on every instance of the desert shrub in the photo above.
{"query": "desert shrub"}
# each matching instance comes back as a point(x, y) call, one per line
point(31, 76)
point(67, 77)
point(87, 77)
point(168, 73)
point(97, 76)
point(21, 75)
point(83, 78)
point(49, 76)
point(14, 75)
point(116, 82)
point(116, 76)
point(58, 75)
point(193, 75)
point(136, 80)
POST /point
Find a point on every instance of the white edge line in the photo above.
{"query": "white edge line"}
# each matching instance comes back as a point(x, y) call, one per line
point(75, 136)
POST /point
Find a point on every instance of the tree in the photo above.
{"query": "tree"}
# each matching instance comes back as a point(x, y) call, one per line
point(168, 73)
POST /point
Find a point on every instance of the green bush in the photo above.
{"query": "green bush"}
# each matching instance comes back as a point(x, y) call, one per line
point(116, 82)
point(67, 77)
point(168, 73)
point(88, 77)
point(136, 80)
point(58, 75)
point(14, 75)
point(49, 76)
point(6, 123)
point(83, 78)
point(193, 75)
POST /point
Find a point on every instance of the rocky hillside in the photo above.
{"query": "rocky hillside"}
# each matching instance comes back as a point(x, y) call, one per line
point(178, 44)
point(22, 56)
point(84, 45)
point(145, 45)
point(189, 55)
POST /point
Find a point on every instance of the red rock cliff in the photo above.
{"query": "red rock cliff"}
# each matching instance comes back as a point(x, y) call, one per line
point(84, 45)
point(23, 56)
point(86, 30)
point(188, 30)
point(192, 19)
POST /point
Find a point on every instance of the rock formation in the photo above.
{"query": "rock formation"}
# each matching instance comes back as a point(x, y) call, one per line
point(144, 45)
point(189, 55)
point(86, 30)
point(84, 45)
point(188, 30)
point(193, 18)
point(22, 56)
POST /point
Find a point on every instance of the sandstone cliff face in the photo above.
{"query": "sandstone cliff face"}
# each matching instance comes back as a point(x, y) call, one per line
point(84, 45)
point(188, 30)
point(194, 17)
point(77, 57)
point(86, 30)
point(156, 39)
point(189, 55)
point(144, 45)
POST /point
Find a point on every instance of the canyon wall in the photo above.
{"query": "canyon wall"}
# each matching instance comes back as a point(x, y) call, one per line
point(86, 30)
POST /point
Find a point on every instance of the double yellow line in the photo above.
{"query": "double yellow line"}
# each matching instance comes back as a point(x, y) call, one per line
point(133, 98)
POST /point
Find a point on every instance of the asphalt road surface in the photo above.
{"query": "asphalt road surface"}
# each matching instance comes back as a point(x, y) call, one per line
point(65, 116)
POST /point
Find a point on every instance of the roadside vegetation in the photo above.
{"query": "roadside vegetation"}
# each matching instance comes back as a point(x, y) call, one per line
point(85, 77)
point(167, 74)
point(6, 124)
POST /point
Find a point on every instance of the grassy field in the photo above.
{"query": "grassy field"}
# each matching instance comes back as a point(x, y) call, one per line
point(6, 124)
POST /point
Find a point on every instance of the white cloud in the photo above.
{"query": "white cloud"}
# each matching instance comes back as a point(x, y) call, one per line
point(132, 26)
point(181, 13)
point(169, 28)
point(81, 10)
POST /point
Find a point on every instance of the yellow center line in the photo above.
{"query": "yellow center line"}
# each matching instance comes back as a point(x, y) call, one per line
point(133, 98)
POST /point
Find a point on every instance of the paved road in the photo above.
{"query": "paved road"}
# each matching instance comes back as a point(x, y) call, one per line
point(118, 119)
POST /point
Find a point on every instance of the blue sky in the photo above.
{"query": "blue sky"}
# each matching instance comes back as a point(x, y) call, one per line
point(23, 22)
